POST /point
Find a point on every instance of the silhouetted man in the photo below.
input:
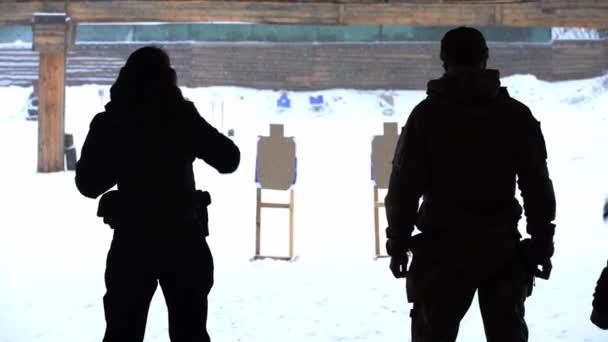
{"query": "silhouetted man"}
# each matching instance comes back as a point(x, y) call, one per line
point(461, 150)
point(145, 143)
point(599, 314)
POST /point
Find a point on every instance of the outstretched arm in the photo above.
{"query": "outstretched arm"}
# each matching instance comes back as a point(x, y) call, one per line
point(212, 146)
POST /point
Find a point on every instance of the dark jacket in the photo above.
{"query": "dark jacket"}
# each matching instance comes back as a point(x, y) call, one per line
point(147, 150)
point(599, 315)
point(461, 150)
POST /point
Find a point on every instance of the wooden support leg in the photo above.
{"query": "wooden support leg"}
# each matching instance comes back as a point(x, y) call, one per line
point(258, 221)
point(258, 225)
point(291, 230)
point(376, 222)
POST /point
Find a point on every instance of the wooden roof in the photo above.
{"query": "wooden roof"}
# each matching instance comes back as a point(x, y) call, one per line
point(576, 13)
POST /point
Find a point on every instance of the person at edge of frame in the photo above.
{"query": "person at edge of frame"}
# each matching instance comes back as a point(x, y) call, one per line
point(599, 312)
point(145, 143)
point(463, 149)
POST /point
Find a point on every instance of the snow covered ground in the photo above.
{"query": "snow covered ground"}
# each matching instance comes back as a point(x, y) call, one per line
point(53, 248)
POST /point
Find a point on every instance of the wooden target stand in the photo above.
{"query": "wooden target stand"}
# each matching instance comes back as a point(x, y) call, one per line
point(377, 205)
point(258, 226)
point(275, 170)
point(383, 150)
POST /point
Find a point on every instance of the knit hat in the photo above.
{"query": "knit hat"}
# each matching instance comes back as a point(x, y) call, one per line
point(463, 46)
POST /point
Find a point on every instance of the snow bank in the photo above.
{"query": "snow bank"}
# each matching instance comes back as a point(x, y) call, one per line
point(574, 33)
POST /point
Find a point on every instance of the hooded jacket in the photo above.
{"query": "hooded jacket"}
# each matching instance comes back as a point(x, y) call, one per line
point(462, 150)
point(145, 143)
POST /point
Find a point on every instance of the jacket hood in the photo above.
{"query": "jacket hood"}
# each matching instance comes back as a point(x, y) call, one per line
point(145, 86)
point(467, 85)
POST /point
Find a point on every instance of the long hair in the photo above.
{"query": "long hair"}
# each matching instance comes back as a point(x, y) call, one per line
point(146, 80)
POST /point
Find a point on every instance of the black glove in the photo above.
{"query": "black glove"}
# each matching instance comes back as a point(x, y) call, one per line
point(397, 244)
point(395, 247)
point(538, 252)
point(110, 208)
point(398, 265)
point(599, 316)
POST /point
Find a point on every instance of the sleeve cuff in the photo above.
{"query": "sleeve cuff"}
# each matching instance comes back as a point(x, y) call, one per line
point(396, 247)
point(541, 231)
point(599, 319)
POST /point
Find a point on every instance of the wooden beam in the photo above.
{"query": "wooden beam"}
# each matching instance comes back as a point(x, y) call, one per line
point(205, 11)
point(581, 13)
point(21, 12)
point(17, 12)
point(51, 39)
point(508, 13)
point(578, 4)
point(477, 14)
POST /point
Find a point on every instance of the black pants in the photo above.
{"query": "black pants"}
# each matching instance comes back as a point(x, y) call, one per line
point(137, 262)
point(446, 272)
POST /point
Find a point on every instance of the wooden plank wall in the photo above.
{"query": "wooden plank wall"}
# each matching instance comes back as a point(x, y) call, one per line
point(579, 59)
point(575, 13)
point(309, 66)
point(304, 66)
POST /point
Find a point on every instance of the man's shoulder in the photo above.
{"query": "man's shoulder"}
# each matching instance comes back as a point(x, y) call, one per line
point(188, 105)
point(101, 119)
point(514, 103)
point(427, 105)
point(105, 121)
point(428, 109)
point(514, 107)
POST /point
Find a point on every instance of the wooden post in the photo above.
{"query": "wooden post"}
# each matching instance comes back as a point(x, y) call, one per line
point(383, 150)
point(291, 207)
point(376, 222)
point(377, 205)
point(258, 221)
point(52, 36)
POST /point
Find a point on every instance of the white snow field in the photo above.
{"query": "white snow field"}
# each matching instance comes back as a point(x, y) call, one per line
point(53, 247)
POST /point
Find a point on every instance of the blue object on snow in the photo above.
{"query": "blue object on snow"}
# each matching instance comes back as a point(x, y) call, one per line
point(371, 169)
point(284, 101)
point(295, 170)
point(316, 100)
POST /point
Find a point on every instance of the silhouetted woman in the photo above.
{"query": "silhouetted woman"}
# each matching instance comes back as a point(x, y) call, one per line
point(145, 143)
